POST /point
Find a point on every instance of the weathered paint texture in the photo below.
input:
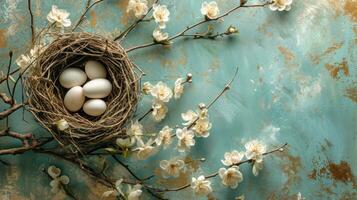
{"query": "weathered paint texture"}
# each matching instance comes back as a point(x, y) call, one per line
point(296, 84)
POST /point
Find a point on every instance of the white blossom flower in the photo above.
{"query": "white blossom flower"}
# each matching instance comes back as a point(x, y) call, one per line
point(172, 168)
point(125, 142)
point(281, 5)
point(23, 61)
point(255, 150)
point(202, 126)
point(189, 117)
point(164, 137)
point(36, 51)
point(178, 90)
point(144, 151)
point(185, 139)
point(115, 192)
point(59, 17)
point(159, 110)
point(57, 180)
point(146, 88)
point(203, 111)
point(231, 176)
point(232, 158)
point(257, 166)
point(160, 36)
point(210, 10)
point(135, 192)
point(139, 7)
point(161, 15)
point(161, 92)
point(201, 186)
point(135, 130)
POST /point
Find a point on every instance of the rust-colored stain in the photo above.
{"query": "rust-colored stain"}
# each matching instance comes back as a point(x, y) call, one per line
point(290, 166)
point(264, 28)
point(330, 50)
point(93, 21)
point(351, 93)
point(338, 172)
point(341, 172)
point(172, 63)
point(2, 38)
point(334, 69)
point(313, 174)
point(126, 17)
point(336, 6)
point(350, 9)
point(288, 55)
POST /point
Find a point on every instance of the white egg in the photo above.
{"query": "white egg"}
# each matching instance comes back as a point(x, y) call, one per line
point(74, 99)
point(97, 88)
point(71, 77)
point(95, 69)
point(94, 107)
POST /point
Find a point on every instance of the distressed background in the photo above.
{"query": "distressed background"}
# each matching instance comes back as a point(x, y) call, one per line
point(297, 84)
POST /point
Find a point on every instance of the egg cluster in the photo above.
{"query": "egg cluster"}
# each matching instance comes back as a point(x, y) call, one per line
point(89, 97)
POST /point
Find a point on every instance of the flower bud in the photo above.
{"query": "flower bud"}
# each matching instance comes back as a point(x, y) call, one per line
point(62, 125)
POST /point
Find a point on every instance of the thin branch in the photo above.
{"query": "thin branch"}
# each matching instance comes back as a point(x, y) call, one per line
point(279, 149)
point(85, 12)
point(4, 162)
point(225, 89)
point(8, 72)
point(6, 99)
point(132, 26)
point(136, 177)
point(12, 109)
point(146, 114)
point(4, 78)
point(31, 21)
point(182, 33)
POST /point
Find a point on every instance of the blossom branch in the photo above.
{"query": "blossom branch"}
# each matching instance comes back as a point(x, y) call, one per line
point(101, 177)
point(136, 177)
point(31, 21)
point(225, 89)
point(12, 109)
point(182, 33)
point(81, 18)
point(8, 72)
point(279, 149)
point(132, 26)
point(210, 35)
point(28, 142)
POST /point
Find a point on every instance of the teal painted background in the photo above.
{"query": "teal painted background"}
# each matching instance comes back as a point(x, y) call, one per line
point(297, 84)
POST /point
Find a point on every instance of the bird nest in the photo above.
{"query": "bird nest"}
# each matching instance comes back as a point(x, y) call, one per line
point(46, 95)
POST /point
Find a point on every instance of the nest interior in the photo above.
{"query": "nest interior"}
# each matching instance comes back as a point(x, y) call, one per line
point(45, 94)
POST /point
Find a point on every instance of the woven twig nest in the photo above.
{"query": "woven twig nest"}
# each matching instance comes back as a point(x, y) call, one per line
point(45, 94)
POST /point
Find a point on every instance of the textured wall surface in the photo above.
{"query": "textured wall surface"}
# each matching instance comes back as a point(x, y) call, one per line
point(297, 84)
